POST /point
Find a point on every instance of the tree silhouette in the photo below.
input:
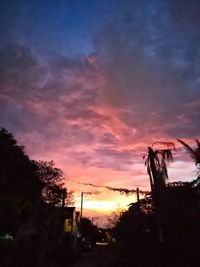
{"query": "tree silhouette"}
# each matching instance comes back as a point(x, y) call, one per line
point(20, 188)
point(137, 232)
point(156, 163)
point(89, 230)
point(25, 185)
point(52, 180)
point(31, 194)
point(194, 153)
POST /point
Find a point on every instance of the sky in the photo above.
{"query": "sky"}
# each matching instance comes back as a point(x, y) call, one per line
point(91, 84)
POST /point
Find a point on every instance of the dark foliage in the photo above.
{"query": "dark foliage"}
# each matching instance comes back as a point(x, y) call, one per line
point(156, 162)
point(89, 230)
point(25, 184)
point(51, 179)
point(30, 192)
point(194, 153)
point(137, 229)
point(20, 188)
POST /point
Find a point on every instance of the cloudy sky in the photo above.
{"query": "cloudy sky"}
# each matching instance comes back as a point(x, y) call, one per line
point(90, 84)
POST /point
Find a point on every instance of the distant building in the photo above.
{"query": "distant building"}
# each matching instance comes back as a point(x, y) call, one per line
point(72, 220)
point(71, 227)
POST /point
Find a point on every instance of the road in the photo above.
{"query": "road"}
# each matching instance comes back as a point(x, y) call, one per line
point(94, 259)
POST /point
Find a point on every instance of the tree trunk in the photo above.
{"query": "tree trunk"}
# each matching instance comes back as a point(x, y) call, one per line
point(155, 193)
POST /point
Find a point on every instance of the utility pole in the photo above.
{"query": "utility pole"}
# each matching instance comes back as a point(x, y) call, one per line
point(138, 199)
point(64, 195)
point(82, 194)
point(81, 213)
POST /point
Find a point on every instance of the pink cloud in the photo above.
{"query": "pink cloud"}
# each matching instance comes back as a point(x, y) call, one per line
point(95, 117)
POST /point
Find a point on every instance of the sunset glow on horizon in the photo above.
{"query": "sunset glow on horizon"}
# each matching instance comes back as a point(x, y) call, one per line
point(91, 84)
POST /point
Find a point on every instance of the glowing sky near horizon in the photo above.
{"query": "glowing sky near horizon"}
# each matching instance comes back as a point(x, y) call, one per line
point(90, 84)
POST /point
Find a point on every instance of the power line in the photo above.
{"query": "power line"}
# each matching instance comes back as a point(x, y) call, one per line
point(117, 189)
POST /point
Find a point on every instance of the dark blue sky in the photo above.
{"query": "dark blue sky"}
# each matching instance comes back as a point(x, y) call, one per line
point(56, 26)
point(139, 48)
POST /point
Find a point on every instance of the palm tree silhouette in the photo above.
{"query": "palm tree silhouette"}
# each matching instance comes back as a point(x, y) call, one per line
point(156, 163)
point(194, 153)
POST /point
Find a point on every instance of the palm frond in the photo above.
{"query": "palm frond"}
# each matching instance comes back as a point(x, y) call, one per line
point(164, 169)
point(170, 145)
point(198, 142)
point(193, 153)
point(197, 150)
point(156, 159)
point(167, 155)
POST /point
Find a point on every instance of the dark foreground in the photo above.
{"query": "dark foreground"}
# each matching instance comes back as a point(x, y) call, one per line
point(94, 259)
point(124, 256)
